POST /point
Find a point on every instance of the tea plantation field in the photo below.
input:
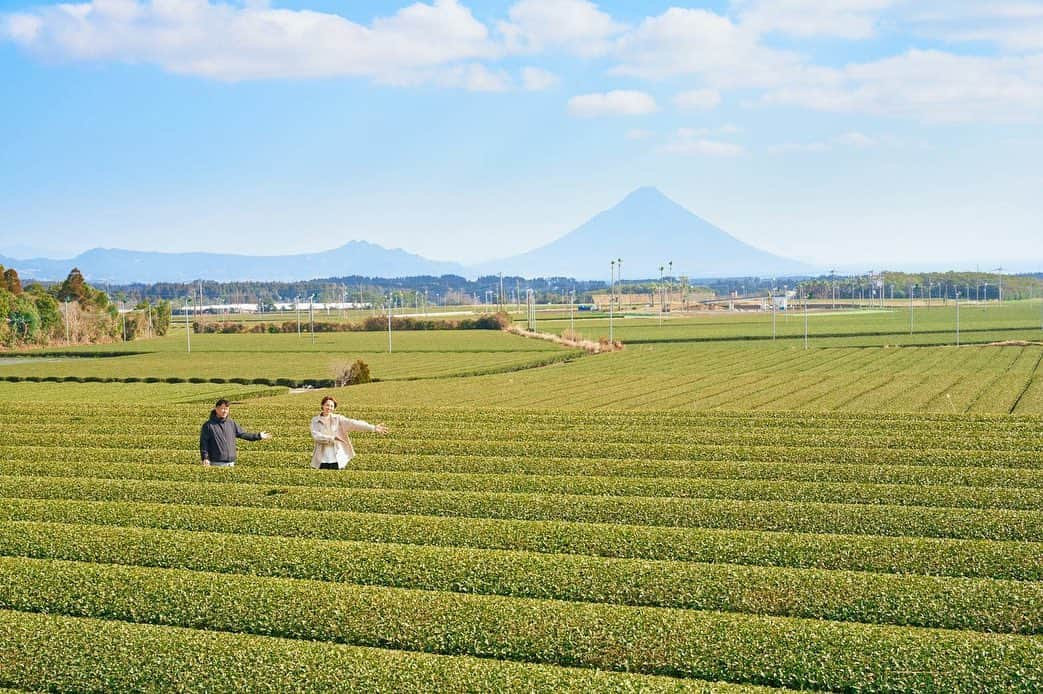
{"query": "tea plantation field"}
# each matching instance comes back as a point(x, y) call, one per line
point(523, 549)
point(696, 512)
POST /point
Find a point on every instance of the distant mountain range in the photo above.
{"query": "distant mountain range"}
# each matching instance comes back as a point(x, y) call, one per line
point(116, 266)
point(646, 229)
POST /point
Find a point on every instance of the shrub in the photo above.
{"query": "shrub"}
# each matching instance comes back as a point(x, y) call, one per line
point(355, 373)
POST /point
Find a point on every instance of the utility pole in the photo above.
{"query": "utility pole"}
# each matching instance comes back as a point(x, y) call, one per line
point(911, 288)
point(805, 318)
point(771, 300)
point(611, 296)
point(661, 267)
point(670, 281)
point(572, 312)
point(619, 277)
point(188, 328)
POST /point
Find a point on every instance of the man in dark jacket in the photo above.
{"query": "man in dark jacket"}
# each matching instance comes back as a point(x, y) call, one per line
point(217, 438)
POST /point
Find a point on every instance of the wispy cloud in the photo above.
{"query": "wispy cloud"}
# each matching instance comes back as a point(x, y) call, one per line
point(1013, 26)
point(536, 79)
point(237, 42)
point(702, 148)
point(848, 140)
point(704, 44)
point(441, 43)
point(572, 26)
point(849, 19)
point(614, 103)
point(698, 100)
point(695, 142)
point(931, 85)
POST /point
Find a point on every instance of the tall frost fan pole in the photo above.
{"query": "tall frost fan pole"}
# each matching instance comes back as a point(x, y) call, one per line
point(188, 327)
point(771, 301)
point(957, 319)
point(805, 319)
point(389, 322)
point(911, 287)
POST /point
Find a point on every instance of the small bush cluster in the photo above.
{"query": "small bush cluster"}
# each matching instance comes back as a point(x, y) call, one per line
point(353, 374)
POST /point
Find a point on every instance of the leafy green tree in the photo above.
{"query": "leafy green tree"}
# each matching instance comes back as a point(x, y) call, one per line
point(161, 318)
point(6, 303)
point(47, 307)
point(24, 320)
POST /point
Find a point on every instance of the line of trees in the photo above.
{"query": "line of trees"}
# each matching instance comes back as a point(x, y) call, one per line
point(70, 311)
point(983, 286)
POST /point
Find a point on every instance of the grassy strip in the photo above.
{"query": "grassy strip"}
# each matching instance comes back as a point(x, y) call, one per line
point(59, 653)
point(16, 458)
point(903, 555)
point(947, 496)
point(477, 444)
point(747, 649)
point(443, 427)
point(986, 524)
point(950, 603)
point(717, 428)
point(883, 423)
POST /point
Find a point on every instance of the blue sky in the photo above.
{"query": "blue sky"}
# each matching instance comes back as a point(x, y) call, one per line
point(855, 133)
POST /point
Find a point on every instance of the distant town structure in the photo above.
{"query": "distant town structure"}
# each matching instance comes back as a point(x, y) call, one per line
point(677, 300)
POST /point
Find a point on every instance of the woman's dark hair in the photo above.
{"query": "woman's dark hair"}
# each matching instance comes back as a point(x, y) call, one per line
point(220, 402)
point(329, 398)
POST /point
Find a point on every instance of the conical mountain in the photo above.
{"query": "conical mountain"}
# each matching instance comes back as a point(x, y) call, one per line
point(646, 229)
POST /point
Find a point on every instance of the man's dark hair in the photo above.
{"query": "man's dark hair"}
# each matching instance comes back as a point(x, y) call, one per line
point(220, 402)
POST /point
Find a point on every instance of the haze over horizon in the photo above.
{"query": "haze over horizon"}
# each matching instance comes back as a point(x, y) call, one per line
point(871, 134)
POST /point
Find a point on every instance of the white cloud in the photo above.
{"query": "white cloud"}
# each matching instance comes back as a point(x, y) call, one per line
point(614, 103)
point(848, 140)
point(474, 77)
point(930, 85)
point(576, 26)
point(698, 100)
point(21, 28)
point(698, 42)
point(639, 134)
point(855, 139)
point(702, 132)
point(703, 148)
point(1013, 26)
point(235, 42)
point(850, 19)
point(694, 142)
point(534, 79)
point(789, 147)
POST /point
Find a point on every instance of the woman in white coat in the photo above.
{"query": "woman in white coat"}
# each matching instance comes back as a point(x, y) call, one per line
point(333, 448)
